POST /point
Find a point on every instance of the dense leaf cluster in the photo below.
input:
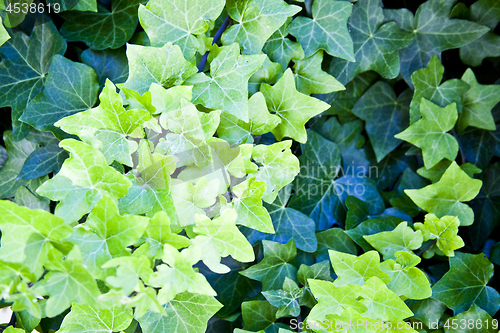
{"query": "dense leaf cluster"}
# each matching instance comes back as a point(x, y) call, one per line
point(250, 166)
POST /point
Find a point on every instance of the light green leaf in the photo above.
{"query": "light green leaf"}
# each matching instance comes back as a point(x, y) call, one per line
point(269, 73)
point(167, 100)
point(465, 283)
point(427, 82)
point(28, 236)
point(104, 29)
point(446, 196)
point(281, 49)
point(311, 79)
point(66, 282)
point(429, 133)
point(278, 167)
point(256, 21)
point(83, 318)
point(158, 232)
point(248, 205)
point(485, 12)
point(444, 231)
point(4, 35)
point(86, 175)
point(406, 279)
point(186, 313)
point(382, 303)
point(375, 43)
point(478, 102)
point(403, 238)
point(177, 274)
point(385, 115)
point(294, 108)
point(128, 272)
point(275, 266)
point(433, 31)
point(190, 199)
point(219, 238)
point(70, 88)
point(327, 30)
point(333, 299)
point(227, 86)
point(237, 131)
point(164, 65)
point(176, 21)
point(26, 198)
point(109, 126)
point(25, 62)
point(356, 270)
point(150, 192)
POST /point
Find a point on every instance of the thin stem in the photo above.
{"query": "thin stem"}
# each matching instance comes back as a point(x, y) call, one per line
point(217, 36)
point(428, 246)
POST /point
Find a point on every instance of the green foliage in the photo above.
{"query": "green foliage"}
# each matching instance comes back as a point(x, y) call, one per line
point(192, 166)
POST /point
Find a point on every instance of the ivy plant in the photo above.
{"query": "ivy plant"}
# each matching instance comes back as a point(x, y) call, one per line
point(191, 166)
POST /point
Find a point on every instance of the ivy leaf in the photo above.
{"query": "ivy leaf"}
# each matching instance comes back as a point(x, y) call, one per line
point(275, 266)
point(108, 64)
point(86, 175)
point(260, 121)
point(257, 315)
point(80, 286)
point(439, 200)
point(429, 133)
point(372, 226)
point(4, 35)
point(382, 303)
point(248, 205)
point(29, 235)
point(444, 231)
point(278, 167)
point(104, 29)
point(402, 238)
point(472, 271)
point(219, 238)
point(311, 79)
point(293, 107)
point(69, 88)
point(227, 86)
point(164, 65)
point(351, 269)
point(186, 313)
point(479, 146)
point(406, 279)
point(83, 318)
point(327, 30)
point(269, 73)
point(433, 31)
point(281, 49)
point(286, 299)
point(474, 314)
point(428, 310)
point(177, 274)
point(427, 82)
point(478, 102)
point(17, 153)
point(176, 21)
point(150, 193)
point(128, 272)
point(385, 115)
point(291, 224)
point(333, 239)
point(256, 21)
point(485, 12)
point(25, 62)
point(375, 44)
point(333, 299)
point(315, 188)
point(108, 126)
